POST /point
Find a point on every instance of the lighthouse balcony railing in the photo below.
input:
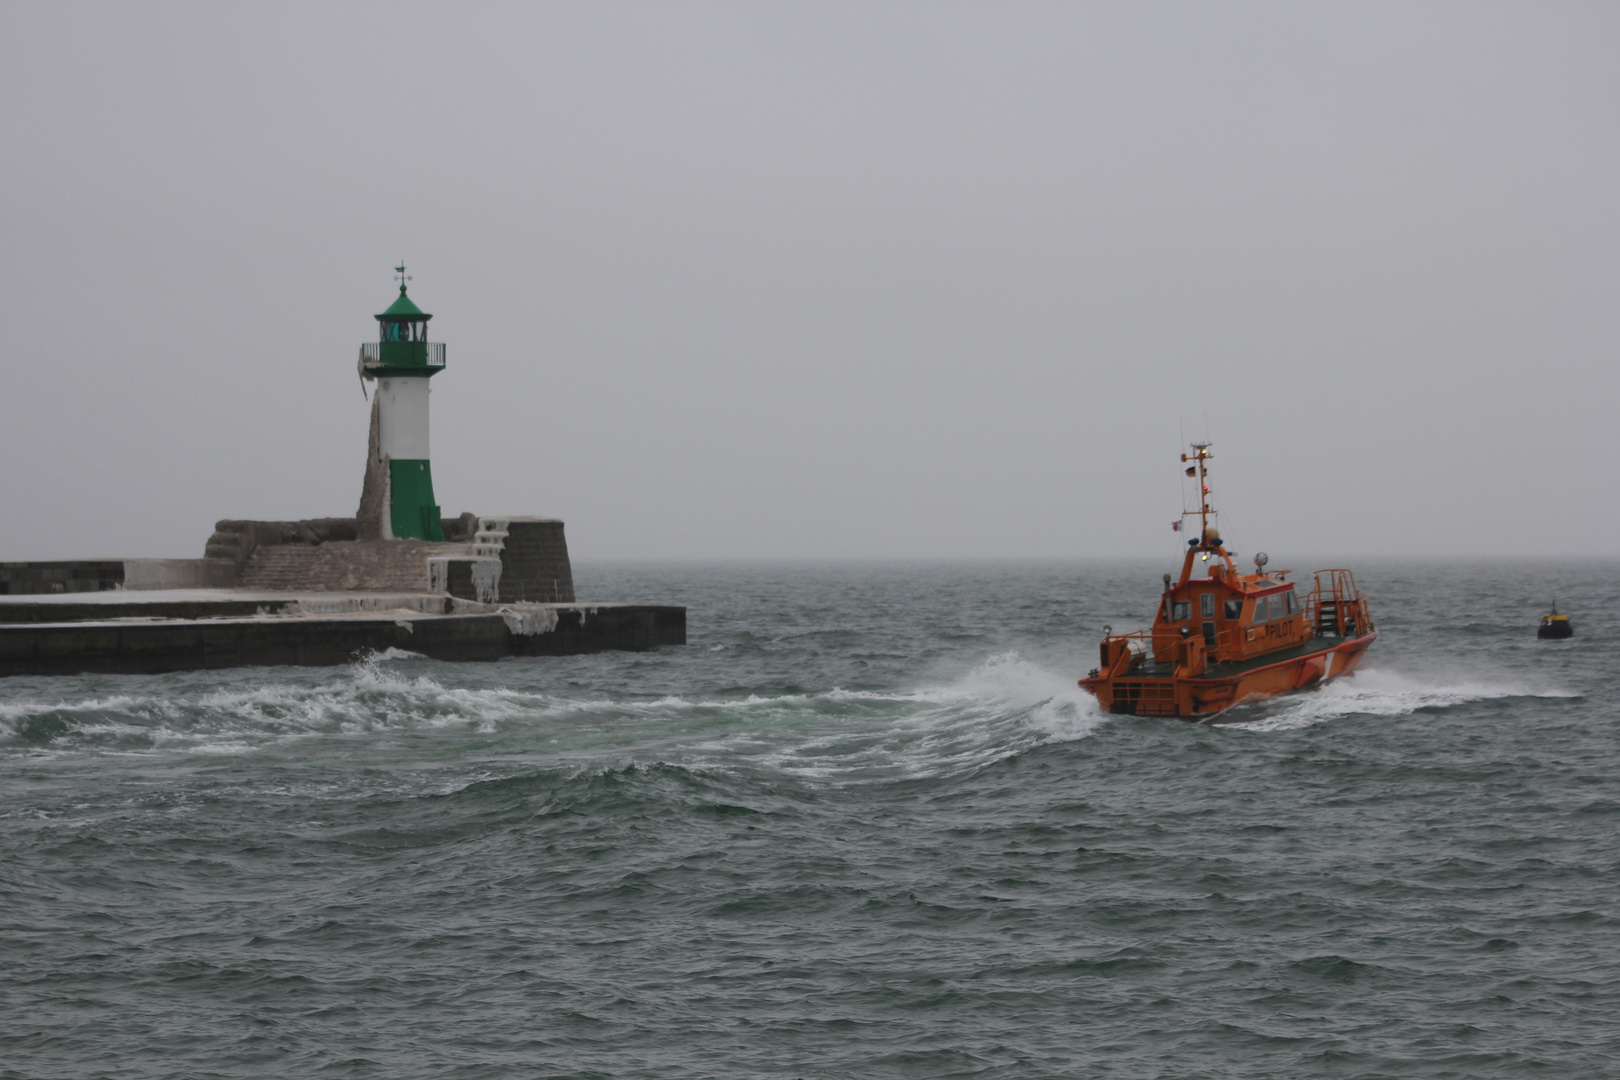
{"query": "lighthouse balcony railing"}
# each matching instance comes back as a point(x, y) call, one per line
point(402, 354)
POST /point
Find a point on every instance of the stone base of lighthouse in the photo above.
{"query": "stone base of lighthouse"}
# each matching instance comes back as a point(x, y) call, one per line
point(486, 559)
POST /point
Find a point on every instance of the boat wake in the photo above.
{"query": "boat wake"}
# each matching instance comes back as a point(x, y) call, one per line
point(1003, 706)
point(1378, 691)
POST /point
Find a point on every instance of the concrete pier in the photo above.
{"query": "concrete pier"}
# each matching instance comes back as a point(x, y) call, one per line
point(188, 629)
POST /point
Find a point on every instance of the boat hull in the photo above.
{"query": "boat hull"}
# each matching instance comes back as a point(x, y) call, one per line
point(1202, 697)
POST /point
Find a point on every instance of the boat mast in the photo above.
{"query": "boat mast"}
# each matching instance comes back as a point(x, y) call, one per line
point(1209, 538)
point(1202, 456)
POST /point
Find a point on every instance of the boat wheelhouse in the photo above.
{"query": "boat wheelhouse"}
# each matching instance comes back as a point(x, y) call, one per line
point(1225, 637)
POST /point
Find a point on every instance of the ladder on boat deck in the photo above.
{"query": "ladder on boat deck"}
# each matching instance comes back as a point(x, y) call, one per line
point(1340, 609)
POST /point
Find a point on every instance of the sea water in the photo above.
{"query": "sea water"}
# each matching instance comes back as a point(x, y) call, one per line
point(863, 825)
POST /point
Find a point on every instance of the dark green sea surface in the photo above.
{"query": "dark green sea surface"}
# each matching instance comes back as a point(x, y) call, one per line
point(864, 825)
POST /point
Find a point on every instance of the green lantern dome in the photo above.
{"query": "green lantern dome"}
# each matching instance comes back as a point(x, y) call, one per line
point(404, 310)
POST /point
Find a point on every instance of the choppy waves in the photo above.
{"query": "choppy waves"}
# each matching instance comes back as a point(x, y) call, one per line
point(831, 838)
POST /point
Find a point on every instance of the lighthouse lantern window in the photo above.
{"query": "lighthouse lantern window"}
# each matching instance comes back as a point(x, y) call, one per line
point(404, 331)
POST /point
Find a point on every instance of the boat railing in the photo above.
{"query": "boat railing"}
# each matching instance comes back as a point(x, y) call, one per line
point(1335, 607)
point(1227, 648)
point(1119, 653)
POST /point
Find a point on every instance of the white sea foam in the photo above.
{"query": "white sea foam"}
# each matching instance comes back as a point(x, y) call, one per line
point(25, 708)
point(1000, 708)
point(1380, 691)
point(1056, 705)
point(392, 653)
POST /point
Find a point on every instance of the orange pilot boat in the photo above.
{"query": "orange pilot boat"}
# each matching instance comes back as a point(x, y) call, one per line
point(1226, 637)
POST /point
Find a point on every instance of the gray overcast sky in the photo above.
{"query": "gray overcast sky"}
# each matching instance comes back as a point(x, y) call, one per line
point(867, 280)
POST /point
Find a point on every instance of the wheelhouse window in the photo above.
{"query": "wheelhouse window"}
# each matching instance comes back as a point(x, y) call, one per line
point(1260, 615)
point(1293, 605)
point(1233, 610)
point(1180, 610)
point(1206, 604)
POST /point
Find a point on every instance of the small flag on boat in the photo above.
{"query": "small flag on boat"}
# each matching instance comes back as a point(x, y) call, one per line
point(1175, 526)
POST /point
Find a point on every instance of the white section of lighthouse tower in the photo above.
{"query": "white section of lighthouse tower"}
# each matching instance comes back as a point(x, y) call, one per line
point(402, 428)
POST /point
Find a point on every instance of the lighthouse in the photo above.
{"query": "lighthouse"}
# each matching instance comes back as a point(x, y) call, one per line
point(396, 500)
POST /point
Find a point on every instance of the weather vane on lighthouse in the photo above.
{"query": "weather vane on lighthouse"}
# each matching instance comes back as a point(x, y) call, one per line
point(399, 275)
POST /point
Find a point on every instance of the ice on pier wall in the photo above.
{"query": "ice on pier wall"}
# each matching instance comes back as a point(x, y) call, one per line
point(486, 580)
point(474, 578)
point(534, 558)
point(490, 539)
point(527, 620)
